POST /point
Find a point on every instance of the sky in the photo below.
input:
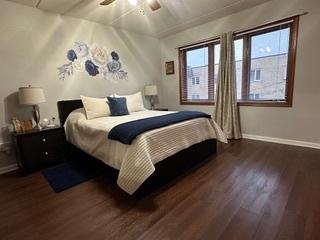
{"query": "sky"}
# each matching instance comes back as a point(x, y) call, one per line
point(268, 44)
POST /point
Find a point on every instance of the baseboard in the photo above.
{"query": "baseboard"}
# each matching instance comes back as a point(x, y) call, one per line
point(9, 168)
point(282, 141)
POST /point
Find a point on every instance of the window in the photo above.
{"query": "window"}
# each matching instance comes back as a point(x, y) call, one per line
point(265, 63)
point(255, 75)
point(195, 80)
point(265, 74)
point(195, 96)
point(254, 96)
point(198, 73)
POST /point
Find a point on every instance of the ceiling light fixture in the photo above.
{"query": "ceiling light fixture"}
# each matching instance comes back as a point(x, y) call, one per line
point(133, 2)
point(153, 4)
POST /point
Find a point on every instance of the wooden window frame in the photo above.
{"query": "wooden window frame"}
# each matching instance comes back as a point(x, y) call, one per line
point(292, 22)
point(183, 73)
point(290, 65)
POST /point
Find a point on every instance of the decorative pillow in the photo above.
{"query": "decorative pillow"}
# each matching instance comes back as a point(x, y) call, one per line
point(134, 102)
point(95, 107)
point(118, 106)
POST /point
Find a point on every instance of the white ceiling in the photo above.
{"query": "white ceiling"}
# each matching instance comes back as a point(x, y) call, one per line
point(174, 16)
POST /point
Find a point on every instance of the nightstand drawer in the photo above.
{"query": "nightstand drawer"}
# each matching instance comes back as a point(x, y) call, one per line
point(44, 157)
point(39, 140)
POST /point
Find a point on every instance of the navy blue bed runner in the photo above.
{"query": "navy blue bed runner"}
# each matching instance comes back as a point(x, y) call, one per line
point(127, 132)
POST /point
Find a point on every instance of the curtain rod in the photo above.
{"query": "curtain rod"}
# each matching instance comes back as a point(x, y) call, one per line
point(212, 39)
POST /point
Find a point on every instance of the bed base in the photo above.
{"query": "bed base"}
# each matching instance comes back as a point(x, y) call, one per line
point(167, 170)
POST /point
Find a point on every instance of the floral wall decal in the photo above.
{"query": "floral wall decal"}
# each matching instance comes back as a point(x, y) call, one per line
point(94, 60)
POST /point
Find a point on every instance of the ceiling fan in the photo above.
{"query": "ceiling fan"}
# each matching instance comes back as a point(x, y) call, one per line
point(153, 4)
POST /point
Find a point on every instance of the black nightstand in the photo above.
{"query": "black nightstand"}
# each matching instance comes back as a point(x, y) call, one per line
point(161, 109)
point(38, 149)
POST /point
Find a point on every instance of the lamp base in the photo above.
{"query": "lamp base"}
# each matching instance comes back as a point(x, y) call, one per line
point(36, 117)
point(151, 102)
point(37, 127)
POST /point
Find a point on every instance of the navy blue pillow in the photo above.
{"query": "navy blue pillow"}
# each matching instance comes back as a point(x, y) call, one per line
point(118, 106)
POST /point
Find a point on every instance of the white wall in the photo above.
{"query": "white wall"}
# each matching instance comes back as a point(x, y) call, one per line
point(33, 43)
point(302, 121)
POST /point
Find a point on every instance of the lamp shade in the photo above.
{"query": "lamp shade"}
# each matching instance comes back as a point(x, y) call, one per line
point(31, 95)
point(150, 90)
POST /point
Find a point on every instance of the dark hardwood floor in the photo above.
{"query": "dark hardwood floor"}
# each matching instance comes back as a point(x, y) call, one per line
point(249, 190)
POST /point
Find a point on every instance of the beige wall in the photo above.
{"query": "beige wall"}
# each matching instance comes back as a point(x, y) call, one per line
point(34, 43)
point(301, 122)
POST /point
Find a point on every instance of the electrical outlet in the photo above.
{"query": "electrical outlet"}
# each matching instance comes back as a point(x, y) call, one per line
point(5, 147)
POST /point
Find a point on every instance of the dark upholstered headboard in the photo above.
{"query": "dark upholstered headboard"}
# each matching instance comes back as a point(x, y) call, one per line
point(66, 107)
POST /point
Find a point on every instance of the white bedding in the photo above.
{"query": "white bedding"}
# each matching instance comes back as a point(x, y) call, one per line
point(135, 162)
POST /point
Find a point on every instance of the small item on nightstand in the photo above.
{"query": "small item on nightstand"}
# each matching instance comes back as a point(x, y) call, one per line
point(16, 125)
point(49, 123)
point(45, 122)
point(21, 125)
point(26, 125)
point(11, 128)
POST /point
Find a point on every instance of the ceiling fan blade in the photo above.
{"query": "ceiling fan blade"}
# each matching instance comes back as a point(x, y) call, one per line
point(106, 2)
point(154, 4)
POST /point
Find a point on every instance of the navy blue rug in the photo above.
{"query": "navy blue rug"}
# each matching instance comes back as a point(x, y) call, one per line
point(69, 174)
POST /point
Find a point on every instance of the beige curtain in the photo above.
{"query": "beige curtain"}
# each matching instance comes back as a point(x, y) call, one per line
point(226, 109)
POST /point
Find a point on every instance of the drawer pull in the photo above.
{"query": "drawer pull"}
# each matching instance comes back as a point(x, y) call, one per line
point(44, 140)
point(46, 153)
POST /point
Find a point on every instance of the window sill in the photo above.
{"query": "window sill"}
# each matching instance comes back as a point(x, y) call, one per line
point(196, 103)
point(265, 103)
point(245, 103)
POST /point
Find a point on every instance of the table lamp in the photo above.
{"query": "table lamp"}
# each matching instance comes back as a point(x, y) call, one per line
point(151, 91)
point(32, 96)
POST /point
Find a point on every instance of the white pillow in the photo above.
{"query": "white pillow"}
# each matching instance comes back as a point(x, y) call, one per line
point(134, 102)
point(95, 107)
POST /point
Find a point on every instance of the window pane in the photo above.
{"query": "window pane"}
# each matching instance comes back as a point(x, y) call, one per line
point(197, 74)
point(238, 47)
point(258, 75)
point(216, 54)
point(216, 65)
point(269, 58)
point(252, 75)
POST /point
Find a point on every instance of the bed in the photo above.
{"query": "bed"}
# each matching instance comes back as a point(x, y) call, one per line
point(138, 161)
